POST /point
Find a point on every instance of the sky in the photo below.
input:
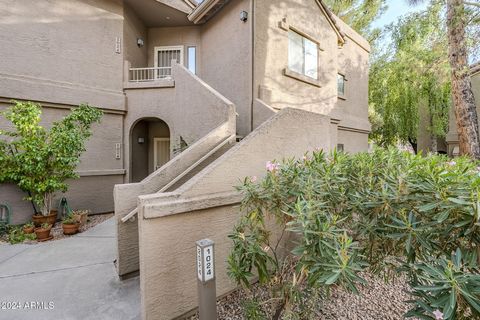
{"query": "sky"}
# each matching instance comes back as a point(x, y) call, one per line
point(396, 9)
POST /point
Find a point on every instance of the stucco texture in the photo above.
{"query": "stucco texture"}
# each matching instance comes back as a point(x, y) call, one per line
point(273, 19)
point(207, 207)
point(42, 59)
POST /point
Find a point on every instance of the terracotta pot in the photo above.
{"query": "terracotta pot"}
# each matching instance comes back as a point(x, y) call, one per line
point(39, 219)
point(43, 234)
point(81, 218)
point(28, 230)
point(69, 229)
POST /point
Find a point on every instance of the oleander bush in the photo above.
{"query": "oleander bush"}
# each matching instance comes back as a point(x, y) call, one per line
point(386, 212)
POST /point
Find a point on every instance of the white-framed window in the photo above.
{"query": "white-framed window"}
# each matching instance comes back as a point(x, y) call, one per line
point(164, 57)
point(192, 59)
point(302, 55)
point(341, 85)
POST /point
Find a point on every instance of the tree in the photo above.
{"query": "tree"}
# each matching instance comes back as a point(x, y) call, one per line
point(463, 99)
point(359, 14)
point(38, 160)
point(412, 74)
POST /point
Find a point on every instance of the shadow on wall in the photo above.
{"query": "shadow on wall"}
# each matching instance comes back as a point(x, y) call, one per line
point(271, 52)
point(149, 147)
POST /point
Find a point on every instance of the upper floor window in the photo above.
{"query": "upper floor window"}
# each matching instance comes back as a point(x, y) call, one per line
point(341, 85)
point(302, 55)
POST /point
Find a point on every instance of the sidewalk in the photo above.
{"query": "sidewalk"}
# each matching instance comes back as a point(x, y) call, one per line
point(71, 278)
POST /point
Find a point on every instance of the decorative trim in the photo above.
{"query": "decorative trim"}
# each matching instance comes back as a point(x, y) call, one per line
point(185, 205)
point(297, 76)
point(107, 172)
point(284, 25)
point(340, 128)
point(334, 121)
point(46, 104)
point(58, 83)
point(159, 83)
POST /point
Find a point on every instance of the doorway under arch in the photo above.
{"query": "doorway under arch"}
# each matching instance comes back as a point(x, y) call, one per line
point(150, 147)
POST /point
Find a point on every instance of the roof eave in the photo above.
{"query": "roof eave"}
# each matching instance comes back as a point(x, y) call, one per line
point(205, 10)
point(331, 20)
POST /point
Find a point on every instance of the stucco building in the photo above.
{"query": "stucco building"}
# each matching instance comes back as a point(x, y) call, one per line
point(196, 95)
point(259, 55)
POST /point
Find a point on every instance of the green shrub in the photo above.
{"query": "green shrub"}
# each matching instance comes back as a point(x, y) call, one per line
point(16, 235)
point(38, 160)
point(385, 211)
point(3, 228)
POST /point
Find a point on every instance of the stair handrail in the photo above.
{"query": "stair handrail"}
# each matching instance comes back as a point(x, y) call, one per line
point(184, 173)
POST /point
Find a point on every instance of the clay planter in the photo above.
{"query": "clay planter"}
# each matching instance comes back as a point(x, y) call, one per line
point(81, 218)
point(39, 219)
point(43, 234)
point(28, 230)
point(70, 229)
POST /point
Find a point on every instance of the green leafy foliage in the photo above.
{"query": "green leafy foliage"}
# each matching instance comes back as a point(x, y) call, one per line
point(16, 235)
point(3, 228)
point(359, 14)
point(40, 160)
point(410, 80)
point(69, 219)
point(320, 221)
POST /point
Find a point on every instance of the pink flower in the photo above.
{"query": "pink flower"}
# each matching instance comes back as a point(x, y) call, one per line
point(438, 314)
point(451, 163)
point(272, 166)
point(253, 179)
point(305, 158)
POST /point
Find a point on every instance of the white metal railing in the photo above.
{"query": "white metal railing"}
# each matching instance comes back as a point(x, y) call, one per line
point(149, 74)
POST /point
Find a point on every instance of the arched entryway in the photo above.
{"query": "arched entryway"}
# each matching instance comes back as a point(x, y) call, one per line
point(150, 147)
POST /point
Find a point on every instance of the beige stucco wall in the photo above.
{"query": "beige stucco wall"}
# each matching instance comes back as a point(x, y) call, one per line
point(278, 91)
point(207, 207)
point(134, 28)
point(62, 51)
point(175, 36)
point(211, 119)
point(226, 58)
point(189, 96)
point(271, 55)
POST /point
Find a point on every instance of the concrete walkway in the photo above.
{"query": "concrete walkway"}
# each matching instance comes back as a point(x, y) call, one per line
point(72, 278)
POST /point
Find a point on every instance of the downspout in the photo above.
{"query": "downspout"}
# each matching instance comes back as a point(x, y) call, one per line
point(252, 35)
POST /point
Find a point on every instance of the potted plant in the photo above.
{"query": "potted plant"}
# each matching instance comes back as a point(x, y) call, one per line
point(40, 161)
point(81, 216)
point(43, 232)
point(70, 225)
point(28, 228)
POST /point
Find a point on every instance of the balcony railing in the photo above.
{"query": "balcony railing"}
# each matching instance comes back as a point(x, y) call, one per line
point(149, 74)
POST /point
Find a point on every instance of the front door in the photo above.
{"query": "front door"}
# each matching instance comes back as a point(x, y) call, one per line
point(161, 152)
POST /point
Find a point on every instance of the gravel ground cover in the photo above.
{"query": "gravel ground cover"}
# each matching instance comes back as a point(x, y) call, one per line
point(377, 301)
point(57, 231)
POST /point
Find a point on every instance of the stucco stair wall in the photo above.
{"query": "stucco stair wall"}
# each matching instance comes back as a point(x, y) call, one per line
point(208, 206)
point(192, 109)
